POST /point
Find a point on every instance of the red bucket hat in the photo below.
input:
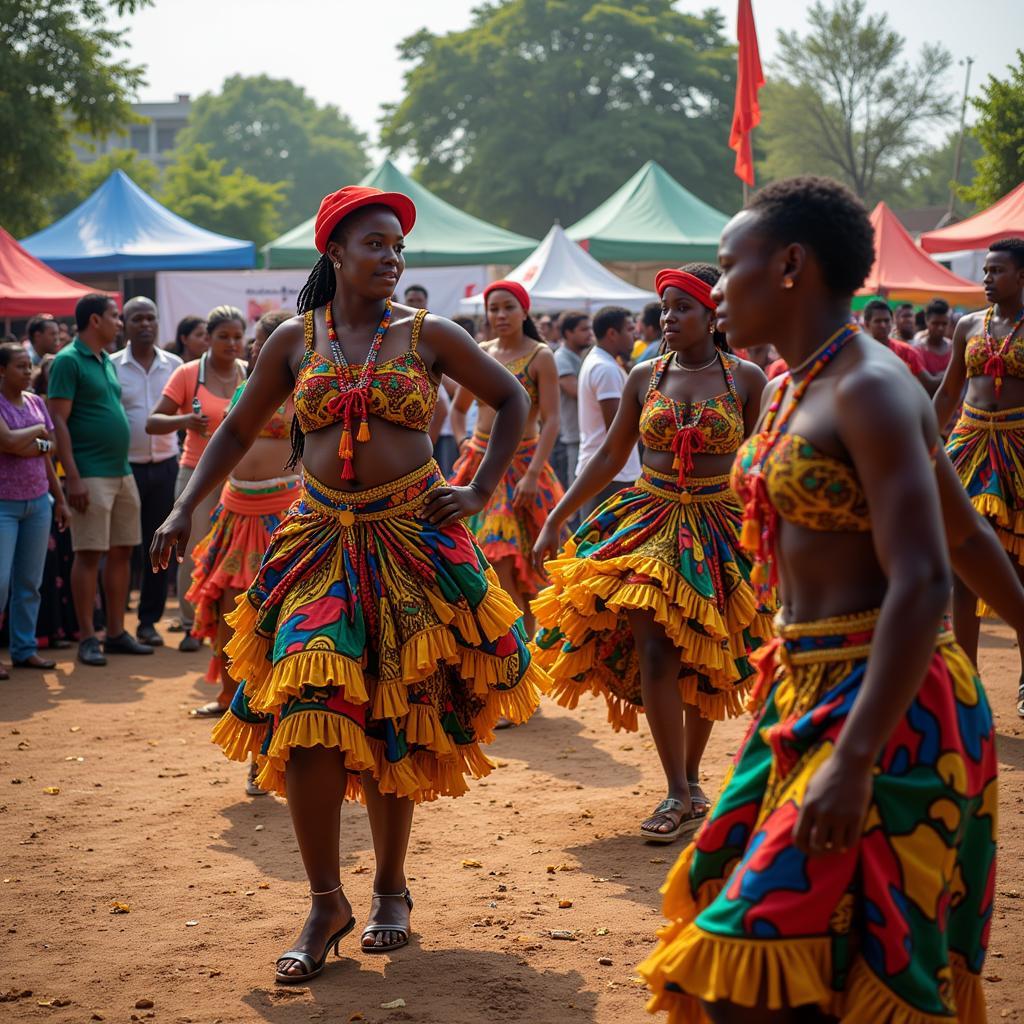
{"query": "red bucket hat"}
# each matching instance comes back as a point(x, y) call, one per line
point(340, 204)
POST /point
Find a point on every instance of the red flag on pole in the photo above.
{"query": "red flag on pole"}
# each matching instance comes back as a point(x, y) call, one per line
point(749, 79)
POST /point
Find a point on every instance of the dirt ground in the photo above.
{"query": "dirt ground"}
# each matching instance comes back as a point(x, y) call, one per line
point(112, 798)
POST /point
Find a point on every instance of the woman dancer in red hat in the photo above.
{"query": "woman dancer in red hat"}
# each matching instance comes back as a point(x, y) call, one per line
point(376, 646)
point(509, 525)
point(651, 603)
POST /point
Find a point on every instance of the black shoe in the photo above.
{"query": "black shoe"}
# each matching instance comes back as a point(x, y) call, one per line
point(89, 652)
point(149, 635)
point(125, 644)
point(190, 642)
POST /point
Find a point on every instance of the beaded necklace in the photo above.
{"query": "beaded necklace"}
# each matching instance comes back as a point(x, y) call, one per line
point(353, 396)
point(995, 364)
point(760, 519)
point(688, 440)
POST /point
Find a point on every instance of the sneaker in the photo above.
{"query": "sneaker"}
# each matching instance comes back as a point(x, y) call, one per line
point(89, 652)
point(149, 635)
point(125, 644)
point(190, 642)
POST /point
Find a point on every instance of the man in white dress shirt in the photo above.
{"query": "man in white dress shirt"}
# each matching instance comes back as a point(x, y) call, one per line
point(143, 368)
point(601, 383)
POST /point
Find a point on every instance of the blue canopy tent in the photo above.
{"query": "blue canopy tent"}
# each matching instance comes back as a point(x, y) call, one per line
point(120, 229)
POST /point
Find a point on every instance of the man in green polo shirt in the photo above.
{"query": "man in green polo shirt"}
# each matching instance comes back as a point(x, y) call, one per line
point(84, 396)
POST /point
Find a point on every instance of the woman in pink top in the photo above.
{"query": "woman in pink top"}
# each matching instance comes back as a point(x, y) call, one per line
point(27, 485)
point(196, 400)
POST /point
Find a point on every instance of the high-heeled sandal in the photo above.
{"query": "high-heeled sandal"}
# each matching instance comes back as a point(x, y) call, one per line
point(377, 929)
point(313, 967)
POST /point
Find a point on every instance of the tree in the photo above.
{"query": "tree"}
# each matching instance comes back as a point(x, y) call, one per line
point(542, 108)
point(851, 104)
point(930, 175)
point(271, 129)
point(235, 203)
point(58, 75)
point(85, 178)
point(1000, 130)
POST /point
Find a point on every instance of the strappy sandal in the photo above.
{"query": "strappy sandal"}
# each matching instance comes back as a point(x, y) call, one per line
point(376, 929)
point(313, 967)
point(251, 788)
point(688, 823)
point(700, 804)
point(214, 709)
point(1020, 696)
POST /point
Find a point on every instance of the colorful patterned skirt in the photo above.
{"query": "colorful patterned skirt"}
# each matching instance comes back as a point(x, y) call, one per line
point(229, 556)
point(987, 451)
point(668, 550)
point(894, 930)
point(501, 530)
point(372, 632)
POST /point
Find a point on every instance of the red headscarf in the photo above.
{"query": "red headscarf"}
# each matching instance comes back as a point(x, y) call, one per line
point(519, 293)
point(685, 282)
point(341, 203)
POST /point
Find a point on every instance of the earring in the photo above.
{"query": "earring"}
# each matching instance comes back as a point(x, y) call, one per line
point(337, 265)
point(711, 326)
point(787, 282)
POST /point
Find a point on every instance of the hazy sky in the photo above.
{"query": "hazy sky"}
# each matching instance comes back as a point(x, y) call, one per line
point(344, 51)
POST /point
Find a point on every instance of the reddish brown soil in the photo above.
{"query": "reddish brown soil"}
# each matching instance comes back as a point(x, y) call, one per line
point(150, 815)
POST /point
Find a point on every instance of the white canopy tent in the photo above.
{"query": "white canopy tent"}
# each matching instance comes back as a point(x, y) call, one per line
point(560, 275)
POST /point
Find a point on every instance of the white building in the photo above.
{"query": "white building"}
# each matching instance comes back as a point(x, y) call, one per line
point(154, 139)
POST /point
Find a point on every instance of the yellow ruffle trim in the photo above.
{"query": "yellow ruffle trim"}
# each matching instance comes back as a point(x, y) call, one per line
point(239, 740)
point(269, 687)
point(570, 604)
point(1008, 524)
point(437, 770)
point(783, 973)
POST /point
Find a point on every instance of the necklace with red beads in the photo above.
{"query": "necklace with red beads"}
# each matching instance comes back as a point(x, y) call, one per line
point(353, 396)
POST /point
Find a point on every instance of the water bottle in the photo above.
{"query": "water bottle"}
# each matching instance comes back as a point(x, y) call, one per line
point(197, 408)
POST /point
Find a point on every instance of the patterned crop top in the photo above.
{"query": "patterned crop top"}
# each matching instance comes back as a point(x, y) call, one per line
point(279, 426)
point(713, 427)
point(520, 369)
point(804, 486)
point(401, 392)
point(977, 355)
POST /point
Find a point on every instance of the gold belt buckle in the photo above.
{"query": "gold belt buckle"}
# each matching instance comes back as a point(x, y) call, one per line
point(346, 517)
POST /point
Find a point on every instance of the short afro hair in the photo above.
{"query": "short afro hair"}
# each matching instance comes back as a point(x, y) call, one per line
point(827, 218)
point(1014, 247)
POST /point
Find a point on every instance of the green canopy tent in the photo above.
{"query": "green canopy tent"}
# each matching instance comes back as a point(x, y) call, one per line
point(443, 236)
point(651, 219)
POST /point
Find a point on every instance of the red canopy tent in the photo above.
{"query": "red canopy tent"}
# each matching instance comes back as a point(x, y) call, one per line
point(28, 286)
point(905, 273)
point(1001, 220)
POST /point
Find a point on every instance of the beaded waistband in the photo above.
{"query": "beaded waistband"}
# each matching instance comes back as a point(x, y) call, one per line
point(256, 487)
point(999, 419)
point(696, 488)
point(479, 439)
point(840, 638)
point(395, 498)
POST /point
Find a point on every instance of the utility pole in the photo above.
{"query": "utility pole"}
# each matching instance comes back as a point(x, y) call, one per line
point(950, 212)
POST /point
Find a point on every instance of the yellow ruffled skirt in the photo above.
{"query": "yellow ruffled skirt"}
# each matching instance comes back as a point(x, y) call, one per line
point(373, 632)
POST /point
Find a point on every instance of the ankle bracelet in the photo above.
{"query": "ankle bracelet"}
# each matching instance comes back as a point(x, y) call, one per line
point(326, 892)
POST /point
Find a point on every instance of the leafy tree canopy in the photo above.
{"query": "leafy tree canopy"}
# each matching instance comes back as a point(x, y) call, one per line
point(542, 108)
point(849, 103)
point(198, 188)
point(59, 73)
point(269, 128)
point(1000, 130)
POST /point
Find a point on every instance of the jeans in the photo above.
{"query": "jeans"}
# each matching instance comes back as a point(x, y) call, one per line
point(24, 536)
point(155, 481)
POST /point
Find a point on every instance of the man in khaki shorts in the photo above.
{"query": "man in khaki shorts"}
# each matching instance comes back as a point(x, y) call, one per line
point(84, 397)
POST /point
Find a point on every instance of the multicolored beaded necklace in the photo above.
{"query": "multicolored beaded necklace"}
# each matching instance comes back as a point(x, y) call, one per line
point(353, 395)
point(995, 364)
point(760, 519)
